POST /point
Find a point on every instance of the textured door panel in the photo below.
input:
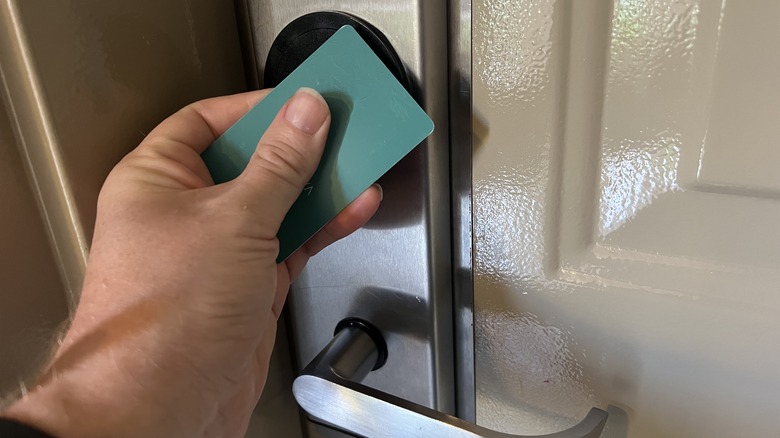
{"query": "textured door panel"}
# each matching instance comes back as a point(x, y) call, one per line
point(625, 187)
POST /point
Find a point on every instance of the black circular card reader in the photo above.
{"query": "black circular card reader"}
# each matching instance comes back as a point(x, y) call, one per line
point(299, 39)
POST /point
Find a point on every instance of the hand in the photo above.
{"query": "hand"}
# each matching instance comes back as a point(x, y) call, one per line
point(176, 322)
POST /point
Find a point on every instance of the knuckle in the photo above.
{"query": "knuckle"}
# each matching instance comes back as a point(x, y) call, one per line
point(282, 160)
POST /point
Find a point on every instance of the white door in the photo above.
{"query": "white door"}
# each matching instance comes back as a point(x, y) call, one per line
point(626, 187)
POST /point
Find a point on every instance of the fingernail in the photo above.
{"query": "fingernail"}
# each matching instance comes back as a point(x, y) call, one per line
point(381, 192)
point(307, 110)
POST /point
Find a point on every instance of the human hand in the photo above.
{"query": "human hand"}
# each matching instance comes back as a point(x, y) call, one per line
point(176, 321)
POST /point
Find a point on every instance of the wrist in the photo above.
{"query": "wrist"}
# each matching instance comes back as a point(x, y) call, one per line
point(109, 384)
point(57, 410)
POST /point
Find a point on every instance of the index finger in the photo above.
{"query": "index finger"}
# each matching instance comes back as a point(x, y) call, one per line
point(197, 125)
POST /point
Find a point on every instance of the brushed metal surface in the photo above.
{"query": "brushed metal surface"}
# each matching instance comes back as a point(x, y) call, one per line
point(459, 39)
point(396, 272)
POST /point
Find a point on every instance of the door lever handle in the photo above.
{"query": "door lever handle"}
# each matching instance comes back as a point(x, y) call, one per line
point(329, 391)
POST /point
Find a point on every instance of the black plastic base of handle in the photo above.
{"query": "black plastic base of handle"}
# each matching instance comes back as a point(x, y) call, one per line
point(372, 332)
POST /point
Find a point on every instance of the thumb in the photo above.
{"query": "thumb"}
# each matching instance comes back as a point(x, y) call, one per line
point(286, 158)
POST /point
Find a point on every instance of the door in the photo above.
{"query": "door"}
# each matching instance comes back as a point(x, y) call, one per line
point(625, 209)
point(623, 205)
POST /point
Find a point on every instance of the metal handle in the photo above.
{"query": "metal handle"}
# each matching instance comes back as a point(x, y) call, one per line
point(329, 391)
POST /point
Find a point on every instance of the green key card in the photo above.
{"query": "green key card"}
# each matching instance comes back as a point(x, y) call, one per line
point(374, 123)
